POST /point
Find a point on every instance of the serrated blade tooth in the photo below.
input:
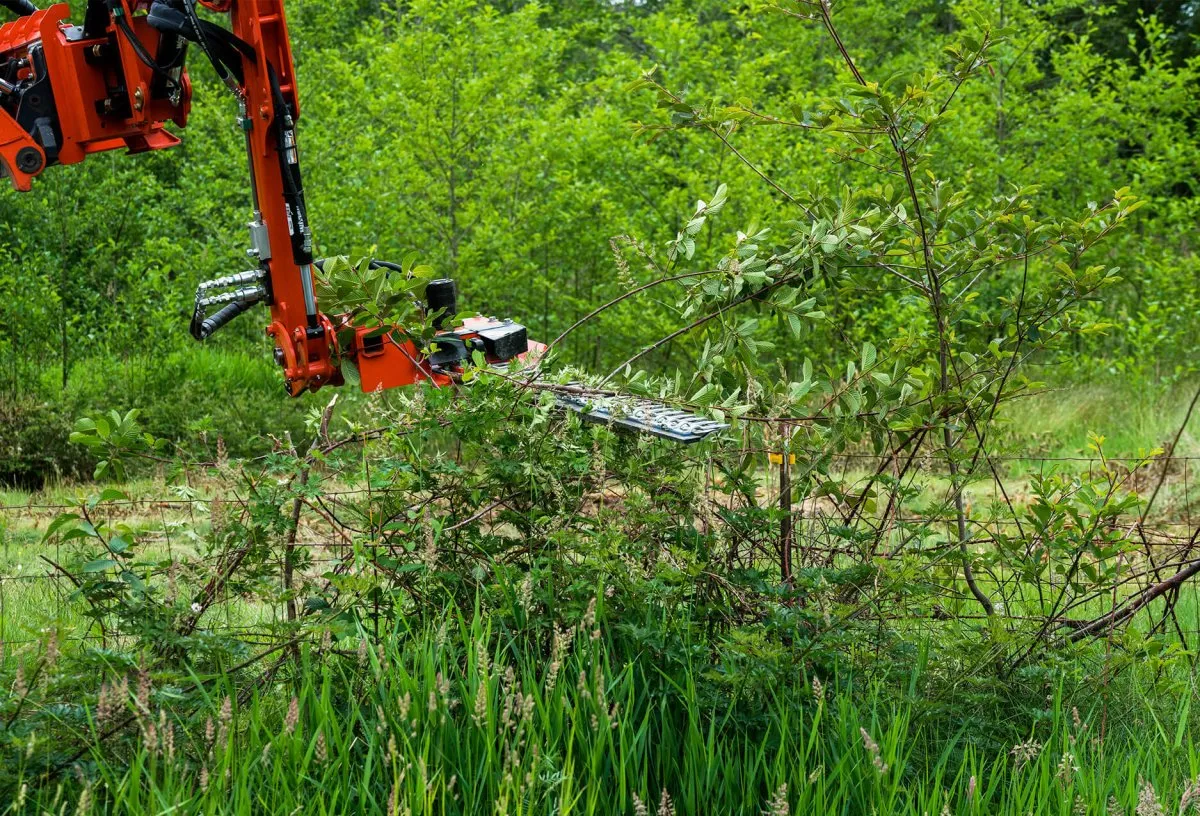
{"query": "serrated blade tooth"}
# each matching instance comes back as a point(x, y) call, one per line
point(642, 416)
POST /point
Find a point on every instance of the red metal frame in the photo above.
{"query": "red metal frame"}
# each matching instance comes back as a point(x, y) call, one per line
point(308, 357)
point(78, 84)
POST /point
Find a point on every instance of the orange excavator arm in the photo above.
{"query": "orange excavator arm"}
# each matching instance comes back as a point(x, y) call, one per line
point(119, 79)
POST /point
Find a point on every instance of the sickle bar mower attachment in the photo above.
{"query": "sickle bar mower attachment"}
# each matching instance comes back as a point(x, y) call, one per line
point(639, 415)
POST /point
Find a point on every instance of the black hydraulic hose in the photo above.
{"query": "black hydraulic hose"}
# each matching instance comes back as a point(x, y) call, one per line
point(203, 328)
point(225, 51)
point(388, 265)
point(293, 182)
point(19, 7)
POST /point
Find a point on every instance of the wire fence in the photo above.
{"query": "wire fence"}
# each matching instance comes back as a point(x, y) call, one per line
point(36, 589)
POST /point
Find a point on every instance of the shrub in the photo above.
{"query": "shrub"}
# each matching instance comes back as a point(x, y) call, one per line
point(33, 442)
point(210, 391)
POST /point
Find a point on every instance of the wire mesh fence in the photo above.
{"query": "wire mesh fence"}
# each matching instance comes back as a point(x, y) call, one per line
point(1159, 533)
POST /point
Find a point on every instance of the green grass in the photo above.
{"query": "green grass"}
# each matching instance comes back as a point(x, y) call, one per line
point(34, 595)
point(1133, 419)
point(415, 722)
point(418, 725)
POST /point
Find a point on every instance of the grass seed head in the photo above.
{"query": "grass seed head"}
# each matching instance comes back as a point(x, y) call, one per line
point(144, 688)
point(1191, 797)
point(525, 596)
point(1025, 752)
point(665, 806)
point(1067, 768)
point(1148, 804)
point(483, 662)
point(224, 717)
point(84, 805)
point(150, 737)
point(20, 688)
point(111, 700)
point(479, 715)
point(293, 716)
point(51, 654)
point(872, 748)
point(778, 806)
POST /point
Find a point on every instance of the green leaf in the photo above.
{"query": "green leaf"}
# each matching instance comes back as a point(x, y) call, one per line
point(718, 199)
point(868, 355)
point(794, 323)
point(61, 521)
point(134, 580)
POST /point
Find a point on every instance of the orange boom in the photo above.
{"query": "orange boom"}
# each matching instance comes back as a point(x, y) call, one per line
point(118, 80)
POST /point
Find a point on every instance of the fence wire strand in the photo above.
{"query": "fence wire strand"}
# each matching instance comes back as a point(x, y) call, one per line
point(328, 542)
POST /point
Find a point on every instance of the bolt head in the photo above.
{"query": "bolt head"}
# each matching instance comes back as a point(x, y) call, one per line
point(29, 160)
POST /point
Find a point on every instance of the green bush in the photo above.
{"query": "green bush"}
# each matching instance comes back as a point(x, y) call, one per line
point(33, 442)
point(191, 397)
point(210, 392)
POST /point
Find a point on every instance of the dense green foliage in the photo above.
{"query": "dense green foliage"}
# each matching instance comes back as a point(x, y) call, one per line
point(406, 589)
point(495, 143)
point(861, 233)
point(451, 717)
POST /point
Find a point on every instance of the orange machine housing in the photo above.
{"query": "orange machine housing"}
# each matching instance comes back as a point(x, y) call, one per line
point(82, 74)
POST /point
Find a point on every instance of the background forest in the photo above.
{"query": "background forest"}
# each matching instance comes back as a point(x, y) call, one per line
point(495, 142)
point(932, 260)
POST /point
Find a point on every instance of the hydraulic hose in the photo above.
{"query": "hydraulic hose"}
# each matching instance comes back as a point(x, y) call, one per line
point(204, 328)
point(19, 7)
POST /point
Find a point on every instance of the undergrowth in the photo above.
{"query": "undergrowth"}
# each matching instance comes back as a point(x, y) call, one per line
point(456, 714)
